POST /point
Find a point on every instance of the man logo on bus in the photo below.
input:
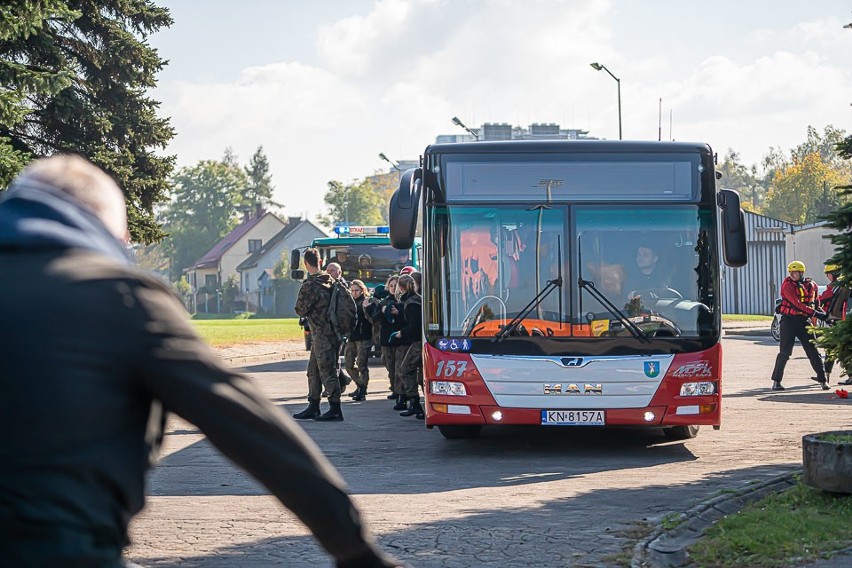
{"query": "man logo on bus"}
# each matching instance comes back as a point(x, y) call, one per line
point(652, 369)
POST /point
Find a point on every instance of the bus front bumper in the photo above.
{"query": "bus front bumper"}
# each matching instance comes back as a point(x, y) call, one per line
point(704, 412)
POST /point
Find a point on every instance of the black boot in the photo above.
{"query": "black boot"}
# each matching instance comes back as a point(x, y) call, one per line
point(414, 408)
point(361, 394)
point(355, 394)
point(393, 396)
point(400, 402)
point(310, 412)
point(332, 415)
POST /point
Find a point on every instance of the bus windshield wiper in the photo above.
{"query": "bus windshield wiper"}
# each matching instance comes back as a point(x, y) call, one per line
point(634, 329)
point(533, 304)
point(537, 300)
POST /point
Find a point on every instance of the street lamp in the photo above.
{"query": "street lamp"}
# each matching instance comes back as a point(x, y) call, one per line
point(458, 122)
point(388, 160)
point(599, 67)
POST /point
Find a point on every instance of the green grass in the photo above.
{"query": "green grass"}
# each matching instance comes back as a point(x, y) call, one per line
point(227, 332)
point(746, 317)
point(786, 529)
point(836, 438)
point(672, 521)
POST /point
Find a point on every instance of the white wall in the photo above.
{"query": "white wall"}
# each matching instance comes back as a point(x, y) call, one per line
point(267, 228)
point(301, 236)
point(809, 246)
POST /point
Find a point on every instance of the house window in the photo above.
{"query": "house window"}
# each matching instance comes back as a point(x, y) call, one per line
point(211, 280)
point(255, 244)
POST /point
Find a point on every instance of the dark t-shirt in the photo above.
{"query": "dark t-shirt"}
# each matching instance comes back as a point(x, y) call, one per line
point(638, 281)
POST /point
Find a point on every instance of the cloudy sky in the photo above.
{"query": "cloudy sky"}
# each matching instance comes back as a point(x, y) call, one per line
point(325, 85)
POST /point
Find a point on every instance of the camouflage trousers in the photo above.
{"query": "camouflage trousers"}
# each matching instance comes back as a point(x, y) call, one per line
point(389, 359)
point(409, 362)
point(322, 368)
point(356, 357)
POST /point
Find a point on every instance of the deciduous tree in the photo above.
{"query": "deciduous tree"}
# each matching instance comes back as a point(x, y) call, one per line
point(204, 208)
point(804, 190)
point(359, 203)
point(73, 78)
point(738, 176)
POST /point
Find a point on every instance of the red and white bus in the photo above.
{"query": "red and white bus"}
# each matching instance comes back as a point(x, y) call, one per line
point(570, 283)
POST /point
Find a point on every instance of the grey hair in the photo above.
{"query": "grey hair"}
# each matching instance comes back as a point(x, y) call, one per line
point(86, 183)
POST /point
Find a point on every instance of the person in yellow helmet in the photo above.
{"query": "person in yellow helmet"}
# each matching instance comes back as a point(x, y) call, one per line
point(834, 302)
point(799, 303)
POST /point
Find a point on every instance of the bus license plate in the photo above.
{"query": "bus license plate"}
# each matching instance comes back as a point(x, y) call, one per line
point(572, 418)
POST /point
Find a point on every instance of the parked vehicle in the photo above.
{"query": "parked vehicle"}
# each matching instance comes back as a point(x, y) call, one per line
point(775, 328)
point(528, 248)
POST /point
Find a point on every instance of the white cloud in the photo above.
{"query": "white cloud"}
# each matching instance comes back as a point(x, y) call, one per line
point(349, 46)
point(389, 81)
point(826, 32)
point(753, 106)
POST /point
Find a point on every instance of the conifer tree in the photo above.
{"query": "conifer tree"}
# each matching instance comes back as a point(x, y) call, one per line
point(73, 78)
point(838, 339)
point(259, 190)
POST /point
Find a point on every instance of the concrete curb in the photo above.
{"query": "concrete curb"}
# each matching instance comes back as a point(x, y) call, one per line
point(667, 548)
point(757, 331)
point(261, 356)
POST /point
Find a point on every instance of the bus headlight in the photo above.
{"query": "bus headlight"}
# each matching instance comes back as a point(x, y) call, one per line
point(698, 389)
point(448, 388)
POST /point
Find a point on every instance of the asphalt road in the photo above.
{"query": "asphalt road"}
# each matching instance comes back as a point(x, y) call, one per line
point(515, 497)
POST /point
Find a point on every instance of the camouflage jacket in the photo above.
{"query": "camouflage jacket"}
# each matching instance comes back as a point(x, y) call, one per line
point(312, 303)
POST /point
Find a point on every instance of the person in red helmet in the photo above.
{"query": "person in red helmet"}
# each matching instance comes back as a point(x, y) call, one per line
point(834, 302)
point(799, 303)
point(407, 270)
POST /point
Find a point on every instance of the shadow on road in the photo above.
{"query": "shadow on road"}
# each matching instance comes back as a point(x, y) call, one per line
point(406, 458)
point(808, 393)
point(277, 367)
point(560, 532)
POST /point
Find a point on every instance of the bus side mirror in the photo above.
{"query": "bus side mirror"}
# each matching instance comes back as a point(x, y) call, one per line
point(295, 260)
point(733, 228)
point(402, 213)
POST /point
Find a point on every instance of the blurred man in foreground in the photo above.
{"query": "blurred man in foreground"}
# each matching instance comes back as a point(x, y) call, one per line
point(94, 354)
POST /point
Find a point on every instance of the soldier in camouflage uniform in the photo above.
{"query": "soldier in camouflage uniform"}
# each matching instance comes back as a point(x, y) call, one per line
point(312, 303)
point(409, 351)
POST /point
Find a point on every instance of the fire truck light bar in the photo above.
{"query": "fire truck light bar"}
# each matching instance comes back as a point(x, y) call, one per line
point(361, 230)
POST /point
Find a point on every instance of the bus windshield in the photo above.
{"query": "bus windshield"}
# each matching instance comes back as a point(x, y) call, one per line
point(646, 261)
point(637, 263)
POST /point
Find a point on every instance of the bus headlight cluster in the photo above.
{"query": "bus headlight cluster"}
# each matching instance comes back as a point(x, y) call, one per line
point(448, 388)
point(698, 389)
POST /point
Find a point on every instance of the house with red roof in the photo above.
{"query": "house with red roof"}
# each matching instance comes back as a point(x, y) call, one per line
point(220, 263)
point(256, 274)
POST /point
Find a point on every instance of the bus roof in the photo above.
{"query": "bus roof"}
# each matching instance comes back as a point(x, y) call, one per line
point(567, 146)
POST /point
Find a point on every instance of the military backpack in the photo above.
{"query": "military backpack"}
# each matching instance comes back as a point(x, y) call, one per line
point(342, 310)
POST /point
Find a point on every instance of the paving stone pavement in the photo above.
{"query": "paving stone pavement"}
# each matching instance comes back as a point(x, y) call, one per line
point(516, 497)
